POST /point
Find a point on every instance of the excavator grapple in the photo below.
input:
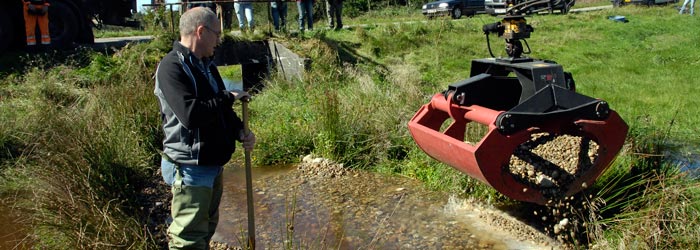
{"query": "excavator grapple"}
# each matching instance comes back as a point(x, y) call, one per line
point(542, 139)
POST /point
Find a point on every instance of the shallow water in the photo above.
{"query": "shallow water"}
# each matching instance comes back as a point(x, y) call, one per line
point(356, 211)
point(688, 160)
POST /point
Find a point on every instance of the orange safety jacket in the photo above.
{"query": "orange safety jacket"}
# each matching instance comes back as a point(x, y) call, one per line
point(34, 13)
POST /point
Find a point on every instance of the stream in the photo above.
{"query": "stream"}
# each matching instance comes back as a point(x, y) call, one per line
point(352, 210)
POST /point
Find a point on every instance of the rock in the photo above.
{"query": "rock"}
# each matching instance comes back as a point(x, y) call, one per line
point(563, 222)
point(307, 158)
point(544, 181)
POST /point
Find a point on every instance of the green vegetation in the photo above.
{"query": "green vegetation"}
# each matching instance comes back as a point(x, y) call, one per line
point(78, 140)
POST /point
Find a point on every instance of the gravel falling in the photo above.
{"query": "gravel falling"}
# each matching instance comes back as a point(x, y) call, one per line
point(549, 163)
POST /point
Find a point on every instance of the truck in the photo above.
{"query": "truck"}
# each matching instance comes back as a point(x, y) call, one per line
point(70, 21)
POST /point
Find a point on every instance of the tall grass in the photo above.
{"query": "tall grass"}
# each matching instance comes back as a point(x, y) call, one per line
point(651, 205)
point(79, 142)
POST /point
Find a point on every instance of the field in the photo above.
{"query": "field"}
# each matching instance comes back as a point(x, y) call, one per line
point(79, 132)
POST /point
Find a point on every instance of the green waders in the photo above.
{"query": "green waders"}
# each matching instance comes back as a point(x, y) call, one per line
point(195, 212)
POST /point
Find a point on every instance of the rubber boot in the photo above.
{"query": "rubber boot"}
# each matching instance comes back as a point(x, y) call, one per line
point(217, 191)
point(190, 210)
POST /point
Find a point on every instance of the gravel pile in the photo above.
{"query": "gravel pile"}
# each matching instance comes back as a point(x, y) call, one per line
point(549, 163)
point(320, 167)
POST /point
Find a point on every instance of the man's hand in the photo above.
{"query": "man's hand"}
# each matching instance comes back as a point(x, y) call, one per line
point(248, 140)
point(240, 95)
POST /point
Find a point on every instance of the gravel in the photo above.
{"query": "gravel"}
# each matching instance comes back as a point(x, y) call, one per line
point(549, 163)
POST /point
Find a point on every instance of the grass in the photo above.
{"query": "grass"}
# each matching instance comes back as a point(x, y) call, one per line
point(80, 137)
point(78, 144)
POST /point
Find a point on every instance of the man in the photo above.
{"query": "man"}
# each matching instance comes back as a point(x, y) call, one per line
point(306, 14)
point(36, 11)
point(227, 14)
point(278, 8)
point(334, 12)
point(244, 11)
point(692, 7)
point(200, 129)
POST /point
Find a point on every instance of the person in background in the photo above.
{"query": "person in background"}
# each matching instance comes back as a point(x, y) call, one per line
point(36, 11)
point(200, 129)
point(692, 7)
point(244, 9)
point(279, 14)
point(306, 14)
point(227, 14)
point(334, 12)
point(211, 6)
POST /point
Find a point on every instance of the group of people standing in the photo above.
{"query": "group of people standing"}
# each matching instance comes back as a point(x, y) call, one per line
point(243, 10)
point(278, 9)
point(334, 11)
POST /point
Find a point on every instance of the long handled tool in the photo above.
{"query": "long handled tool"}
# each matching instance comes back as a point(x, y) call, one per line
point(249, 182)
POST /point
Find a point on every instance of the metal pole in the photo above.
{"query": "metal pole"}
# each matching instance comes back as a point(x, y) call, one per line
point(249, 183)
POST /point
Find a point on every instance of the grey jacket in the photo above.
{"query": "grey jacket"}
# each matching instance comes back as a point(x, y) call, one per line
point(199, 123)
